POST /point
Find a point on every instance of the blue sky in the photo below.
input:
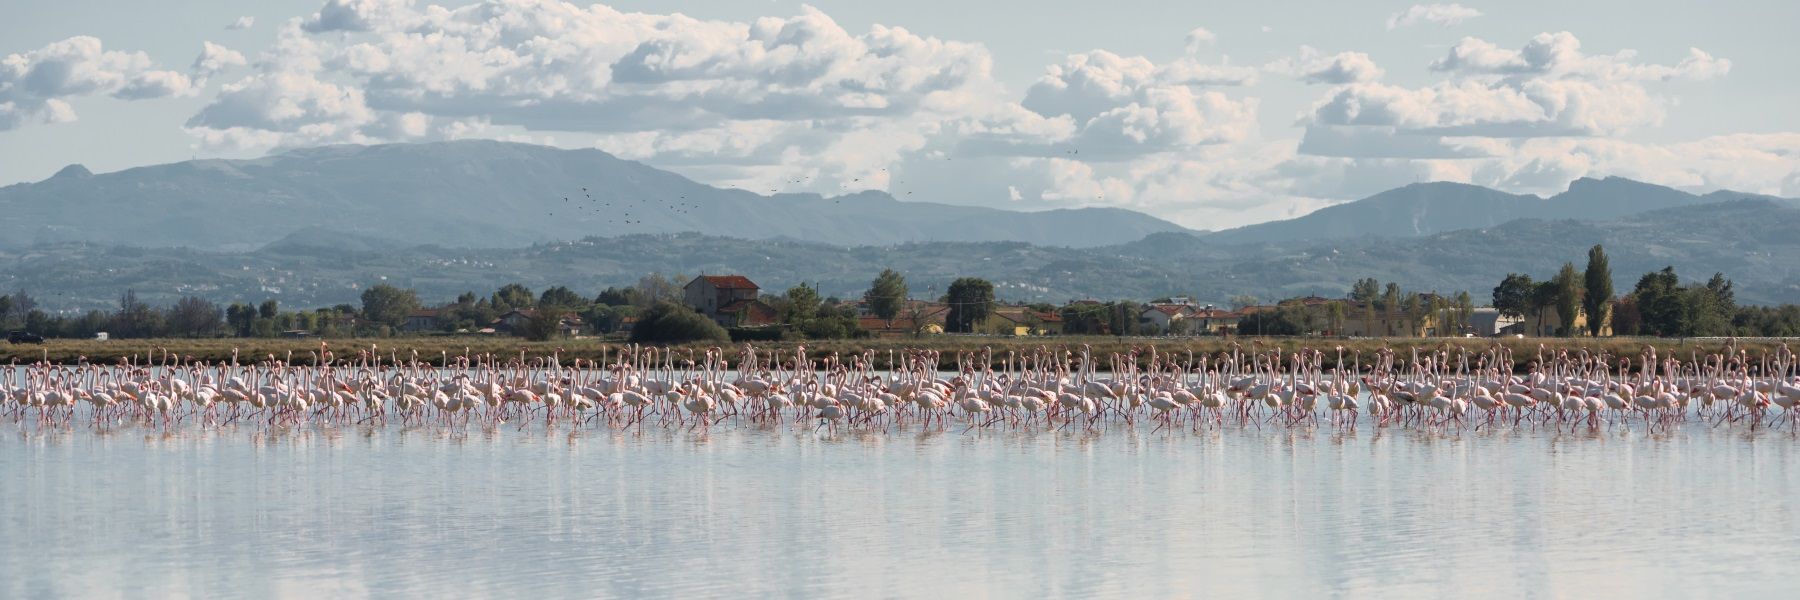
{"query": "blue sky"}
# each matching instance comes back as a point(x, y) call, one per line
point(1209, 114)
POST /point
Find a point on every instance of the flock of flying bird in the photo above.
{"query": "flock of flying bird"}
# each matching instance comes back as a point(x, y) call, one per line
point(1052, 388)
point(604, 207)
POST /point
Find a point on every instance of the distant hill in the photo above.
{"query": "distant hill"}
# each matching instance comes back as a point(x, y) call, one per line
point(1428, 208)
point(478, 193)
point(1750, 241)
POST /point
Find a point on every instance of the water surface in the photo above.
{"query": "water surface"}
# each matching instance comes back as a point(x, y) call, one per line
point(743, 512)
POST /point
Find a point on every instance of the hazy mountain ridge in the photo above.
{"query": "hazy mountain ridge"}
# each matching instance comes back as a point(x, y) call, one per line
point(1750, 241)
point(478, 193)
point(1423, 209)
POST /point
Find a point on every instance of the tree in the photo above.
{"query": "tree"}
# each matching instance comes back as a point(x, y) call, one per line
point(971, 300)
point(268, 309)
point(654, 288)
point(1465, 309)
point(1710, 307)
point(1626, 320)
point(514, 296)
point(1598, 299)
point(801, 304)
point(1568, 298)
point(670, 323)
point(1242, 301)
point(1721, 288)
point(134, 318)
point(388, 305)
point(194, 316)
point(1280, 321)
point(19, 306)
point(1366, 290)
point(1660, 302)
point(1334, 317)
point(886, 295)
point(613, 296)
point(561, 296)
point(1414, 310)
point(1543, 296)
point(240, 317)
point(1513, 296)
point(546, 323)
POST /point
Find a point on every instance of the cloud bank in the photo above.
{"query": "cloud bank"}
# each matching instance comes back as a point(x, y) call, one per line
point(799, 102)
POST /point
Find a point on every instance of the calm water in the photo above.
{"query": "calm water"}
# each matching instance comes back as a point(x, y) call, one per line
point(752, 513)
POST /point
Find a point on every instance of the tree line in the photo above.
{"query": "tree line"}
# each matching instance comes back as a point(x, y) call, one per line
point(1659, 305)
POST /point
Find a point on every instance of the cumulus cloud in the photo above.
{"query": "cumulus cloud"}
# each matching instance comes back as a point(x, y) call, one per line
point(1440, 14)
point(36, 85)
point(554, 66)
point(1104, 106)
point(1337, 69)
point(242, 23)
point(1546, 88)
point(1559, 55)
point(357, 15)
point(799, 103)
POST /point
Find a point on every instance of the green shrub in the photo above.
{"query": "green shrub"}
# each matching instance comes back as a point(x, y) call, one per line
point(669, 323)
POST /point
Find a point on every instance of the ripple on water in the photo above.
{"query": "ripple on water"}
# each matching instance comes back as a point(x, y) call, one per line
point(309, 512)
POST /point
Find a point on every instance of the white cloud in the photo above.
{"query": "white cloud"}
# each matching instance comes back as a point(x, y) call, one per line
point(1559, 55)
point(1340, 68)
point(214, 59)
point(1198, 38)
point(36, 85)
point(1440, 14)
point(358, 15)
point(282, 102)
point(554, 66)
point(799, 103)
point(242, 23)
point(1754, 163)
point(1547, 88)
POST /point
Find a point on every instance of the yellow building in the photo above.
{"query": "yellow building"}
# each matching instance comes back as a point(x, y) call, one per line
point(1545, 324)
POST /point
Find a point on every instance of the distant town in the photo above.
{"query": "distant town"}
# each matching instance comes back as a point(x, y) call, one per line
point(734, 306)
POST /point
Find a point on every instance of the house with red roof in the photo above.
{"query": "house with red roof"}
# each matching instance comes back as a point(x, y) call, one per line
point(1165, 318)
point(729, 300)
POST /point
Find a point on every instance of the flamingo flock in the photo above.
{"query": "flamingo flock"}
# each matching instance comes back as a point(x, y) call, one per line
point(1449, 389)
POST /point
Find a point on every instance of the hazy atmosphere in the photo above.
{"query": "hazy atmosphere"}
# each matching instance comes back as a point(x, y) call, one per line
point(1209, 115)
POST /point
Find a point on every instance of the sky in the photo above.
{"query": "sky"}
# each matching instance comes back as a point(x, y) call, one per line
point(1209, 114)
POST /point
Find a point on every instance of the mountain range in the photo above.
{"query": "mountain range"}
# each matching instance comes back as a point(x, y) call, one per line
point(488, 194)
point(314, 227)
point(1750, 241)
point(1428, 208)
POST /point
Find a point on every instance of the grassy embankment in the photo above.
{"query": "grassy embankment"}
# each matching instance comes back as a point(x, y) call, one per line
point(434, 349)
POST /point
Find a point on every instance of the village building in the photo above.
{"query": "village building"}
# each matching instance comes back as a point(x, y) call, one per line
point(1212, 321)
point(1163, 319)
point(515, 322)
point(1022, 321)
point(1548, 322)
point(1486, 321)
point(915, 318)
point(747, 313)
point(424, 319)
point(729, 300)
